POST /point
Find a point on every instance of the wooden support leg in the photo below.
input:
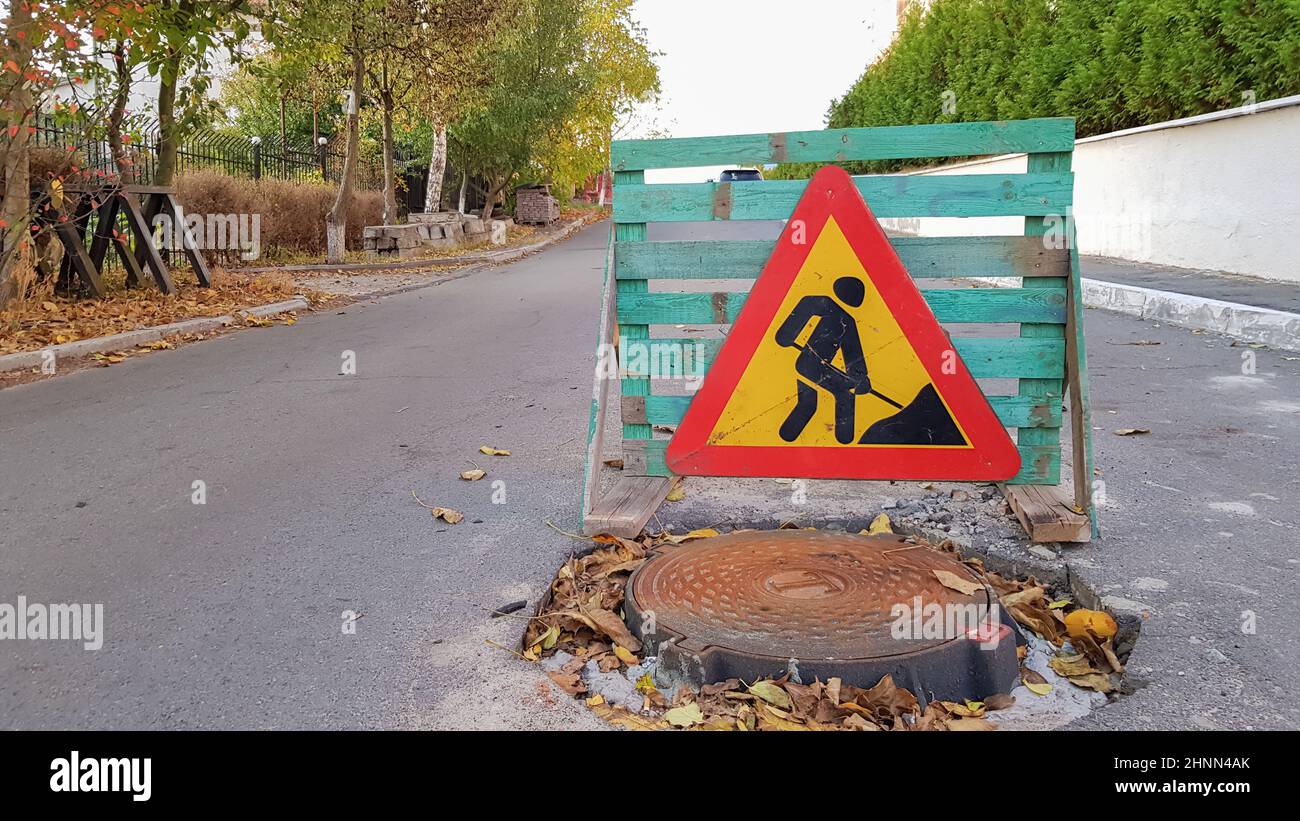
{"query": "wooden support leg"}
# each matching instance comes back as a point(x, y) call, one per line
point(144, 243)
point(104, 234)
point(74, 252)
point(192, 253)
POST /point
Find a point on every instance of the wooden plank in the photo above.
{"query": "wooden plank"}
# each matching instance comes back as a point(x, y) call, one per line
point(1037, 227)
point(144, 244)
point(104, 232)
point(152, 205)
point(1076, 368)
point(1040, 464)
point(849, 144)
point(1046, 515)
point(965, 195)
point(625, 510)
point(985, 358)
point(190, 247)
point(75, 252)
point(955, 305)
point(1012, 411)
point(924, 258)
point(600, 386)
point(628, 289)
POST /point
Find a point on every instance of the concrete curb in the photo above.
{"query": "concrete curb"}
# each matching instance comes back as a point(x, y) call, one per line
point(497, 258)
point(482, 256)
point(1276, 329)
point(101, 344)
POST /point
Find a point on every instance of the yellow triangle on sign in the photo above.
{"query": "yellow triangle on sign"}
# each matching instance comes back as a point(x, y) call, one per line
point(767, 391)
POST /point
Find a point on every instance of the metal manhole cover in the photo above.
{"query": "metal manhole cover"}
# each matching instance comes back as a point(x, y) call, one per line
point(756, 603)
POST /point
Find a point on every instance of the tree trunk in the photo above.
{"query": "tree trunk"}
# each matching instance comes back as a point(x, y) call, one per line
point(165, 168)
point(336, 222)
point(464, 188)
point(390, 176)
point(437, 170)
point(494, 191)
point(121, 158)
point(15, 208)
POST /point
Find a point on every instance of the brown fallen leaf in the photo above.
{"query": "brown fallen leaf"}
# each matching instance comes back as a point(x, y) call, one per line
point(473, 475)
point(1072, 665)
point(622, 717)
point(999, 701)
point(1132, 431)
point(952, 581)
point(617, 464)
point(451, 517)
point(570, 683)
point(1094, 681)
point(611, 625)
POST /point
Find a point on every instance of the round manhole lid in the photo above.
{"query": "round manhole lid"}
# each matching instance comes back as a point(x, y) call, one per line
point(793, 594)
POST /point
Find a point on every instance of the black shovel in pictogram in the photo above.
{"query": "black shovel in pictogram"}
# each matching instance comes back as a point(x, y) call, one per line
point(923, 421)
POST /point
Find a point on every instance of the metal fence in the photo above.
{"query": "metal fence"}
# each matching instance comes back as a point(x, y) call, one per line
point(233, 154)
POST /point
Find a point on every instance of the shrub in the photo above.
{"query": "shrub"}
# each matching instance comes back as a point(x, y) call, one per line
point(292, 213)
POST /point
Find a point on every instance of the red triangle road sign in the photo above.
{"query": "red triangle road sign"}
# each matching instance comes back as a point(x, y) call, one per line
point(836, 368)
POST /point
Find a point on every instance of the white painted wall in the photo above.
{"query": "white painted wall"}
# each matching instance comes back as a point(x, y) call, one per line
point(1217, 192)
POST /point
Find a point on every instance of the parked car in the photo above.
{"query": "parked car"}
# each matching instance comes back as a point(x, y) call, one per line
point(740, 175)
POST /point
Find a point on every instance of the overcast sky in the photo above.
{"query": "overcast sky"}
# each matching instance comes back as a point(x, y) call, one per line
point(756, 66)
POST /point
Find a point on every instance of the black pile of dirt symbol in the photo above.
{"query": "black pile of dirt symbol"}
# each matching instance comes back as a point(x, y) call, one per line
point(925, 421)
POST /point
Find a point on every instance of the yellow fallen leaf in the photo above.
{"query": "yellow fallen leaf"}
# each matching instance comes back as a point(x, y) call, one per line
point(473, 475)
point(1060, 603)
point(596, 700)
point(676, 494)
point(966, 724)
point(954, 582)
point(547, 640)
point(685, 716)
point(490, 451)
point(645, 684)
point(880, 524)
point(625, 655)
point(1081, 622)
point(451, 517)
point(771, 693)
point(1038, 688)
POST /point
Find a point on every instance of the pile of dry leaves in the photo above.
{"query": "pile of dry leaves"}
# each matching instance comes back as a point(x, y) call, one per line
point(36, 323)
point(581, 616)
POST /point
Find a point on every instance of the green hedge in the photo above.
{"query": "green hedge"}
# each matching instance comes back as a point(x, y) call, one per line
point(1110, 64)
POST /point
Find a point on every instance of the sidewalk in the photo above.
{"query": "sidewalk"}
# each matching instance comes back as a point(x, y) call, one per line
point(1257, 311)
point(1261, 293)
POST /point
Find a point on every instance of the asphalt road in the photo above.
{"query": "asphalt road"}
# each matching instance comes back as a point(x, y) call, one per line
point(229, 614)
